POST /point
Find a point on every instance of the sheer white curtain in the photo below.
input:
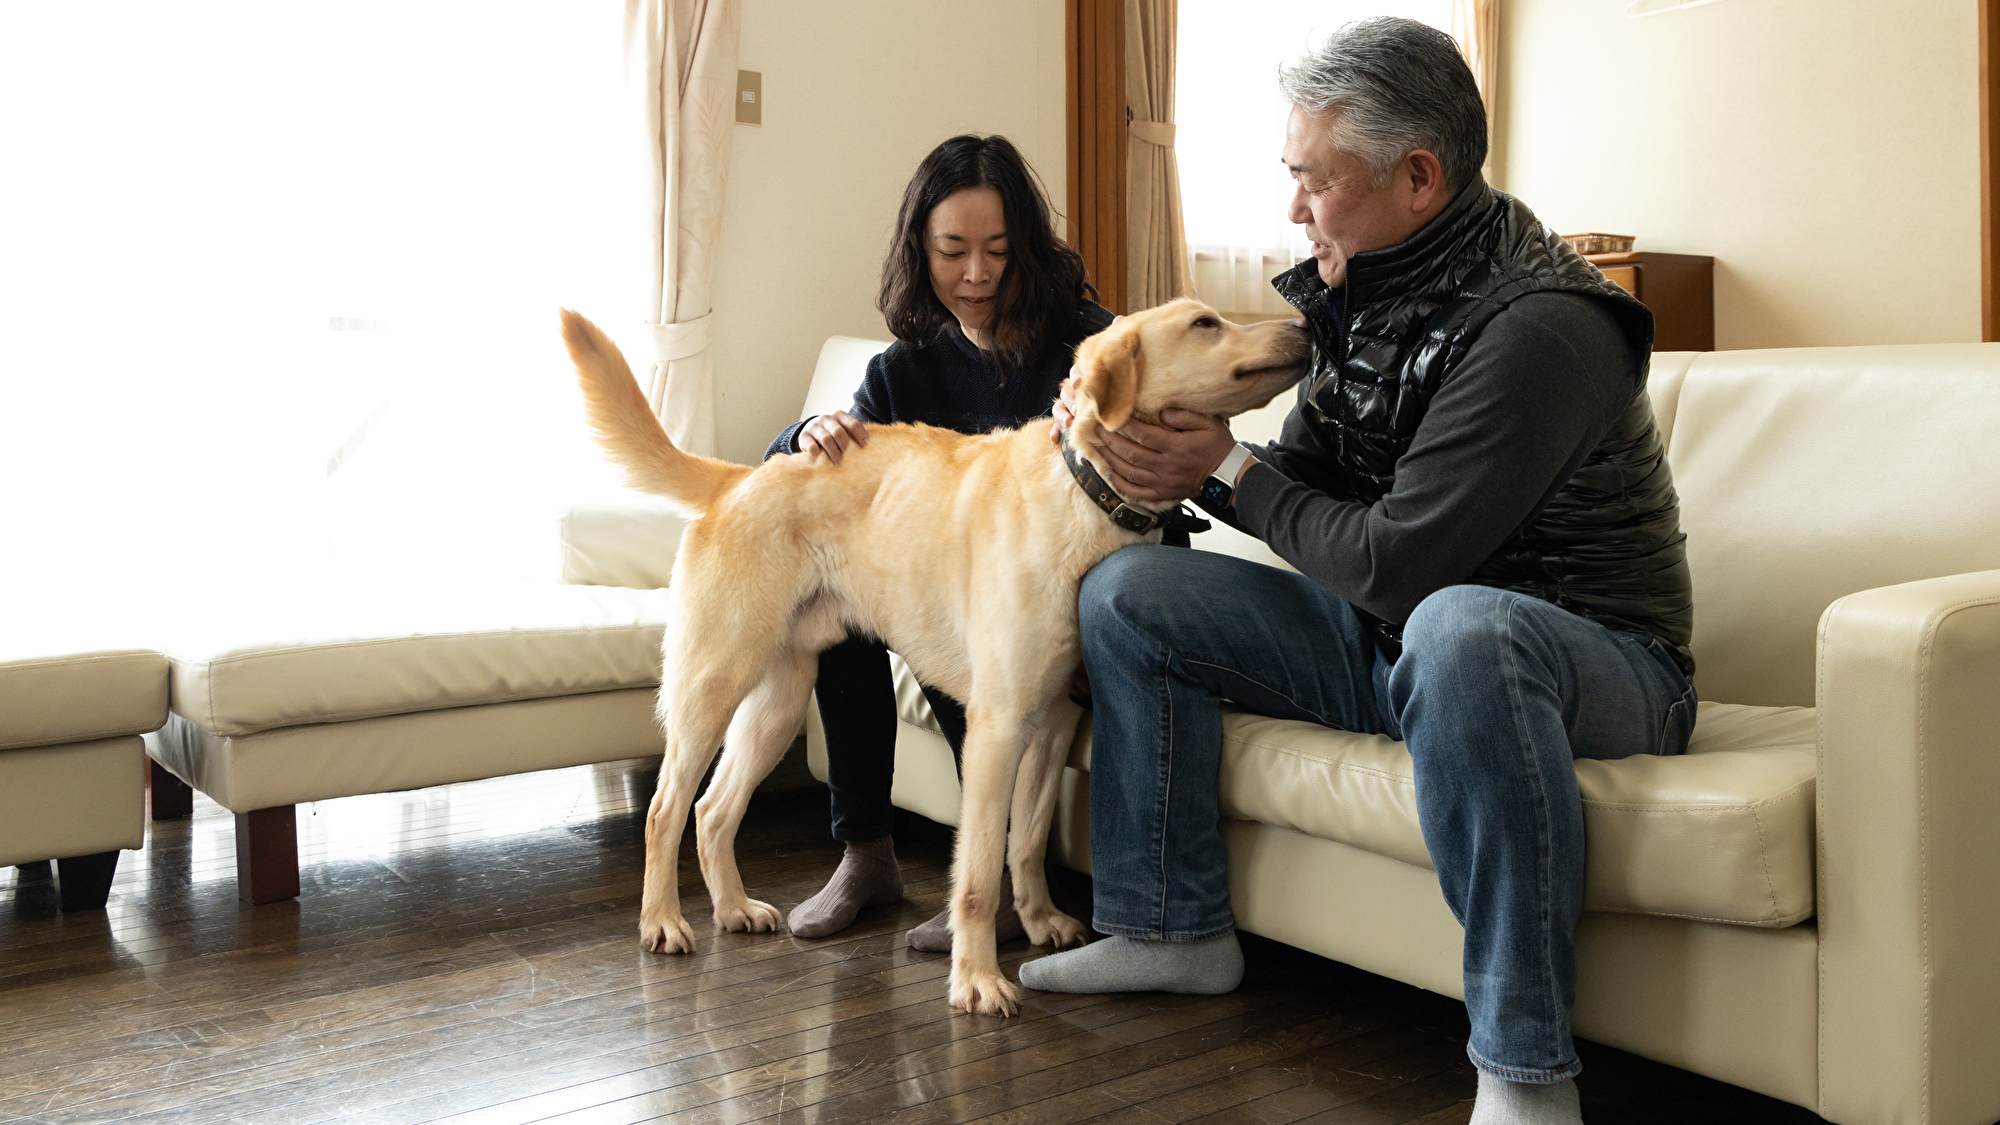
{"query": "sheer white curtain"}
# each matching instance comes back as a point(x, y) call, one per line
point(1231, 129)
point(681, 62)
point(1476, 26)
point(253, 253)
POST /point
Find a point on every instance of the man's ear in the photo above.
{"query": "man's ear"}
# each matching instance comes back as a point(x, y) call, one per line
point(1110, 363)
point(1425, 176)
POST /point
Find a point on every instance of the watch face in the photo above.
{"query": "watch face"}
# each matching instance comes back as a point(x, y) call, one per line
point(1214, 491)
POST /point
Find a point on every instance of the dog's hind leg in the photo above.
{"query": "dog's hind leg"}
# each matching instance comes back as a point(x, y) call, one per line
point(697, 713)
point(708, 668)
point(730, 607)
point(993, 746)
point(1035, 788)
point(758, 737)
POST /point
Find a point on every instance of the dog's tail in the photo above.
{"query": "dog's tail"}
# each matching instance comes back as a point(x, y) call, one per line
point(630, 432)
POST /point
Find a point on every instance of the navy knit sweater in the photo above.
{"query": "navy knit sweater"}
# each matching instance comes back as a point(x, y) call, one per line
point(949, 382)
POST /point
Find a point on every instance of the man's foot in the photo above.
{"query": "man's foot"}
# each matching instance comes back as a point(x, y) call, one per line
point(867, 876)
point(1526, 1103)
point(934, 936)
point(1208, 967)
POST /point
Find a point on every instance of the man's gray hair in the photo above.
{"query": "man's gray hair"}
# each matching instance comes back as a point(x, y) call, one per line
point(1389, 86)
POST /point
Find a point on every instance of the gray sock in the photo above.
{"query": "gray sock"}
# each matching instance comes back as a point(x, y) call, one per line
point(1526, 1103)
point(1208, 967)
point(867, 876)
point(934, 936)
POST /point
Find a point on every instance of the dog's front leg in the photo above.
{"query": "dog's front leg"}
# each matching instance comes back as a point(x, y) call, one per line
point(992, 755)
point(1035, 789)
point(758, 737)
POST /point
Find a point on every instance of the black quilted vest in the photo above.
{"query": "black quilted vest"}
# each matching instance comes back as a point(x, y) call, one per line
point(1608, 546)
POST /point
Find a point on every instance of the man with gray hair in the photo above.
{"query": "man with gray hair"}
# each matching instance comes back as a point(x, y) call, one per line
point(1490, 566)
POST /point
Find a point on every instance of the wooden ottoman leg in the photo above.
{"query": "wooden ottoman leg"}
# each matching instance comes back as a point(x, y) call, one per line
point(172, 797)
point(267, 855)
point(83, 882)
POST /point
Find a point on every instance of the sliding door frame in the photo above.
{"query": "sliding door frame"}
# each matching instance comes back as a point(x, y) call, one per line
point(1989, 166)
point(1095, 136)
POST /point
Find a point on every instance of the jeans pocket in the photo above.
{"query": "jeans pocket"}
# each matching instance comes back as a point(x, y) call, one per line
point(1678, 725)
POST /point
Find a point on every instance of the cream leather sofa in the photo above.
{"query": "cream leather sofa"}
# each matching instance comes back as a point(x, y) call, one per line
point(72, 769)
point(1803, 905)
point(1806, 904)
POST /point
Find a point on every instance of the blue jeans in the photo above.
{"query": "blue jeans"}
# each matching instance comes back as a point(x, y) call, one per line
point(1496, 694)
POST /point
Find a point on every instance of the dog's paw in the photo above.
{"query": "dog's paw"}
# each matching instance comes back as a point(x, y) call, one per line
point(984, 993)
point(749, 917)
point(1053, 928)
point(665, 934)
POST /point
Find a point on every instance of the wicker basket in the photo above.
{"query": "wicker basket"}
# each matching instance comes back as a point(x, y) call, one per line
point(1595, 243)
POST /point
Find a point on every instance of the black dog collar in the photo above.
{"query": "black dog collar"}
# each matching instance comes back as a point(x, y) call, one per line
point(1139, 520)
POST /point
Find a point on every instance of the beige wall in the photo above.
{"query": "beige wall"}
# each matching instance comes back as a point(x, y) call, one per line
point(854, 96)
point(1826, 154)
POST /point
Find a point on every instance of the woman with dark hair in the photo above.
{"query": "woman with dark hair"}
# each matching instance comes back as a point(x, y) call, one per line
point(987, 305)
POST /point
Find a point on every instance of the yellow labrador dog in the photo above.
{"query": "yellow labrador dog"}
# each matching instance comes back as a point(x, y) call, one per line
point(963, 553)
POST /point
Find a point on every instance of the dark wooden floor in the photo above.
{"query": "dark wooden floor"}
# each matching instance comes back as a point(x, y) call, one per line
point(469, 954)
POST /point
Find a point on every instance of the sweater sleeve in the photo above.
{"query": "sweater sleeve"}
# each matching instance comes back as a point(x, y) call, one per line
point(1531, 399)
point(1294, 436)
point(787, 440)
point(874, 399)
point(870, 399)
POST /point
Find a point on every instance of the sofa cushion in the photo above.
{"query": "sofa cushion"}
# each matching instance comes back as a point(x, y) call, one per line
point(322, 761)
point(324, 656)
point(1807, 475)
point(1723, 833)
point(55, 689)
point(74, 798)
point(842, 365)
point(911, 706)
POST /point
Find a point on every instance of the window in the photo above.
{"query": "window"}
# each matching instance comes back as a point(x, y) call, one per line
point(1230, 128)
point(231, 234)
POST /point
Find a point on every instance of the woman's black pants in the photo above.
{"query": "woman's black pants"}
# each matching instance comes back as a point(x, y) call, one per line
point(857, 709)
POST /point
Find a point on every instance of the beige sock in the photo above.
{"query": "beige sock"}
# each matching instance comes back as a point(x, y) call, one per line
point(868, 875)
point(934, 936)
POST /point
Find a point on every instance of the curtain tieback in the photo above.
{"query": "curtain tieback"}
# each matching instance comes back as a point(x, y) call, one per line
point(1154, 132)
point(683, 339)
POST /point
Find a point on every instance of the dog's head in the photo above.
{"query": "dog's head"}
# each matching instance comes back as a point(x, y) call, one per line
point(1183, 354)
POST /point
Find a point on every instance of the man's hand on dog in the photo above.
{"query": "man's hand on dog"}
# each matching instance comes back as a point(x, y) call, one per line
point(830, 434)
point(1147, 462)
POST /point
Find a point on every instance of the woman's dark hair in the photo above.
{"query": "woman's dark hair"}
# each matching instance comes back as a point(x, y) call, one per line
point(1043, 290)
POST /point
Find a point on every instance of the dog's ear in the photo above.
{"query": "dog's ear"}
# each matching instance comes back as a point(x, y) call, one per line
point(1110, 363)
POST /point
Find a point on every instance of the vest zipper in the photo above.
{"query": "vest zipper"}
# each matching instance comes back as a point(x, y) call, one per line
point(1340, 380)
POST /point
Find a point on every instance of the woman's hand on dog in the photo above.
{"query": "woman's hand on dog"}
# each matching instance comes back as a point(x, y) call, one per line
point(1065, 408)
point(830, 434)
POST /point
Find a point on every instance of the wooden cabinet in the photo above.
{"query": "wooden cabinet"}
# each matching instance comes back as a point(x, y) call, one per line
point(1679, 288)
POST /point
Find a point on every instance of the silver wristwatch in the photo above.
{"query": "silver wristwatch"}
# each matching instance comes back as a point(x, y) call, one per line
point(1220, 486)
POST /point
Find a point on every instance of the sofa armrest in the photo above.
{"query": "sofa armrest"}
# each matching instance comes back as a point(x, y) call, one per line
point(590, 537)
point(619, 539)
point(1909, 852)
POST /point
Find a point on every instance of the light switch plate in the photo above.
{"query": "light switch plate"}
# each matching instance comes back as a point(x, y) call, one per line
point(749, 97)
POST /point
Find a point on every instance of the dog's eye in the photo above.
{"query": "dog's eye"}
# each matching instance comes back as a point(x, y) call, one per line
point(1206, 322)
